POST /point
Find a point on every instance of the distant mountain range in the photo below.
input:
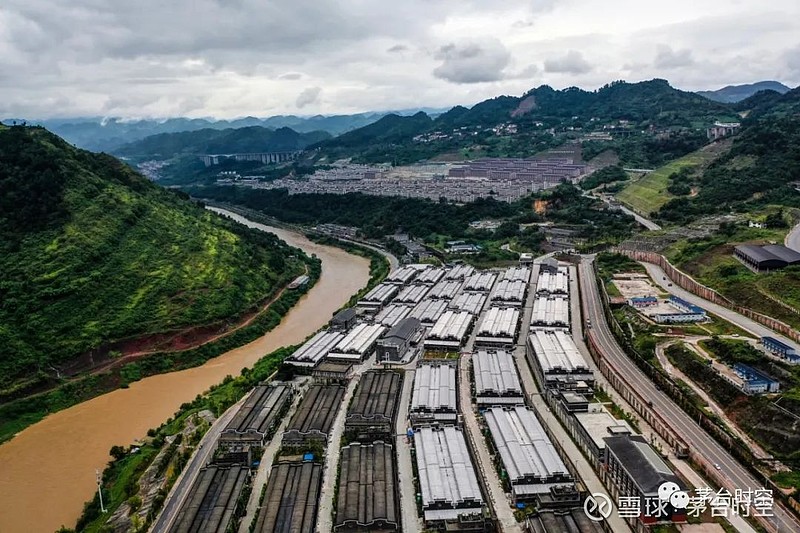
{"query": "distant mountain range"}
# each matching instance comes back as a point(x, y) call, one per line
point(107, 134)
point(736, 93)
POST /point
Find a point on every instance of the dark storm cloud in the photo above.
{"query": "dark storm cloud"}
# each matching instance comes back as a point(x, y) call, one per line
point(308, 96)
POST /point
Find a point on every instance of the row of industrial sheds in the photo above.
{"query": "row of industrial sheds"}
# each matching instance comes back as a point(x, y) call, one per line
point(412, 294)
point(212, 499)
point(450, 331)
point(461, 271)
point(358, 343)
point(446, 289)
point(766, 258)
point(557, 362)
point(291, 499)
point(434, 397)
point(510, 292)
point(520, 273)
point(254, 423)
point(550, 311)
point(392, 314)
point(496, 378)
point(553, 282)
point(481, 281)
point(314, 417)
point(499, 327)
point(431, 276)
point(471, 302)
point(378, 296)
point(403, 275)
point(373, 409)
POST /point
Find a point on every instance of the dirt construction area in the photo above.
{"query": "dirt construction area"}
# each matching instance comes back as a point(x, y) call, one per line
point(635, 286)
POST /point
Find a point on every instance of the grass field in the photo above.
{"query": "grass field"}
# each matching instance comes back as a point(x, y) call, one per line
point(648, 193)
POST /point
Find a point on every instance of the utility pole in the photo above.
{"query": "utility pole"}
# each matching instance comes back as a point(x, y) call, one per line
point(100, 490)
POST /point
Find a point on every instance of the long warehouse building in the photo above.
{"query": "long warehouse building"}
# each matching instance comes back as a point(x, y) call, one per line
point(510, 293)
point(450, 331)
point(291, 499)
point(471, 302)
point(445, 290)
point(480, 281)
point(368, 499)
point(447, 478)
point(373, 409)
point(461, 272)
point(519, 273)
point(550, 312)
point(429, 311)
point(499, 327)
point(314, 416)
point(379, 296)
point(413, 294)
point(556, 361)
point(435, 393)
point(403, 275)
point(430, 276)
point(390, 315)
point(553, 283)
point(315, 349)
point(534, 467)
point(496, 379)
point(258, 417)
point(211, 501)
point(358, 344)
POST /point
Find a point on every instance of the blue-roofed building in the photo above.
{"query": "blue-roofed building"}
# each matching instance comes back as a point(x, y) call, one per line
point(687, 312)
point(685, 306)
point(781, 349)
point(643, 301)
point(755, 381)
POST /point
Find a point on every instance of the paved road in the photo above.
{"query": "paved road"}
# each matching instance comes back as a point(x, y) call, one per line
point(646, 222)
point(733, 475)
point(180, 490)
point(412, 523)
point(751, 326)
point(792, 239)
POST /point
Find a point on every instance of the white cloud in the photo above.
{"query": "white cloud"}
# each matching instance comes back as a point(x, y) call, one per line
point(667, 58)
point(307, 97)
point(472, 61)
point(572, 62)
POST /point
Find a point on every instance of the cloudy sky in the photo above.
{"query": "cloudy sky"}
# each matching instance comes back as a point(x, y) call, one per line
point(230, 58)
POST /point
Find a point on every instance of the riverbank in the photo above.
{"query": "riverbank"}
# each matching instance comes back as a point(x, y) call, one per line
point(54, 461)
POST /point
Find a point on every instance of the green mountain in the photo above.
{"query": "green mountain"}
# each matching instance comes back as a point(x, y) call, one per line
point(228, 141)
point(759, 169)
point(736, 93)
point(92, 253)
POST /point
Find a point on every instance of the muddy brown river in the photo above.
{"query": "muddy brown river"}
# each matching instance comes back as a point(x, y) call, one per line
point(47, 471)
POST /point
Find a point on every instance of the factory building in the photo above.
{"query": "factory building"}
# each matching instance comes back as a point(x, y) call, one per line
point(449, 332)
point(766, 258)
point(344, 320)
point(687, 312)
point(430, 276)
point(379, 296)
point(480, 281)
point(254, 423)
point(371, 414)
point(534, 468)
point(434, 395)
point(640, 302)
point(496, 379)
point(556, 361)
point(519, 273)
point(510, 292)
point(553, 282)
point(314, 350)
point(754, 381)
point(429, 311)
point(358, 344)
point(390, 315)
point(471, 302)
point(550, 312)
point(448, 482)
point(412, 295)
point(211, 502)
point(499, 327)
point(781, 349)
point(634, 469)
point(590, 427)
point(400, 342)
point(368, 499)
point(291, 499)
point(446, 289)
point(314, 416)
point(460, 272)
point(402, 276)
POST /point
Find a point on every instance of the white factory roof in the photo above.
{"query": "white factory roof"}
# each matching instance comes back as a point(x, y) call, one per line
point(517, 274)
point(550, 311)
point(383, 292)
point(434, 387)
point(315, 348)
point(597, 422)
point(499, 322)
point(446, 472)
point(392, 314)
point(402, 275)
point(557, 283)
point(360, 339)
point(430, 276)
point(460, 272)
point(495, 373)
point(556, 351)
point(429, 311)
point(451, 325)
point(510, 291)
point(471, 302)
point(413, 294)
point(480, 281)
point(524, 447)
point(446, 289)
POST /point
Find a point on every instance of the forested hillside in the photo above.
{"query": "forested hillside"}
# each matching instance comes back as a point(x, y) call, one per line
point(92, 253)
